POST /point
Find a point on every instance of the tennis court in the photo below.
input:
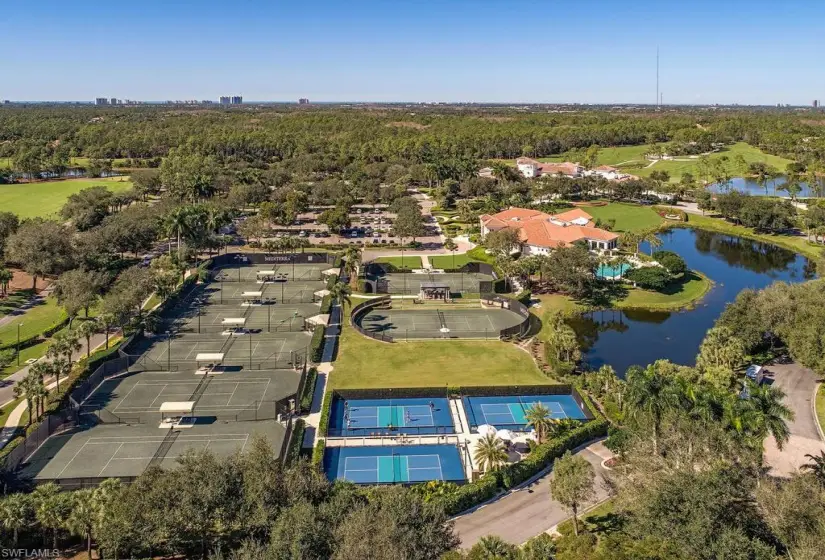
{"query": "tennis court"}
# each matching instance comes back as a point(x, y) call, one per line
point(261, 348)
point(271, 273)
point(266, 318)
point(390, 465)
point(104, 451)
point(364, 417)
point(509, 411)
point(459, 282)
point(431, 322)
point(274, 294)
point(235, 393)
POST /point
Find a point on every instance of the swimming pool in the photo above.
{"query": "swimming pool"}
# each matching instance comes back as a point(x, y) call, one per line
point(610, 271)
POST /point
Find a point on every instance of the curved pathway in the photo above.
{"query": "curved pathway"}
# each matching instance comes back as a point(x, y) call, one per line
point(799, 384)
point(528, 510)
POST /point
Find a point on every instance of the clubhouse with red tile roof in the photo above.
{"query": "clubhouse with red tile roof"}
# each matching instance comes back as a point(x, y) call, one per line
point(540, 232)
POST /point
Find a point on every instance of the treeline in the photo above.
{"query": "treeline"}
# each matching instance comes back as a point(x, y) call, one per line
point(243, 506)
point(335, 136)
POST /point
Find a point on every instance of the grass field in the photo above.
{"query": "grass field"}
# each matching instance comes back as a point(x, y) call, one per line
point(629, 217)
point(408, 262)
point(678, 295)
point(34, 321)
point(36, 351)
point(600, 520)
point(29, 200)
point(363, 362)
point(450, 261)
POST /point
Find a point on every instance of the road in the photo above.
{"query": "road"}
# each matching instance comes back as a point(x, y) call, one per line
point(799, 384)
point(527, 512)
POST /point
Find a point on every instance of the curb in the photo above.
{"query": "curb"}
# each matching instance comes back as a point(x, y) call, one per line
point(813, 411)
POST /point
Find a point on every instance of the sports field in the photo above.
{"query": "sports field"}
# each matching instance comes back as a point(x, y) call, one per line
point(442, 322)
point(45, 198)
point(363, 417)
point(458, 282)
point(509, 411)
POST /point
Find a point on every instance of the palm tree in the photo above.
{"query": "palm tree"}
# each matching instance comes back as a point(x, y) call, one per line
point(50, 508)
point(631, 239)
point(6, 277)
point(87, 330)
point(341, 292)
point(652, 238)
point(501, 171)
point(25, 388)
point(816, 466)
point(450, 245)
point(15, 514)
point(83, 515)
point(538, 416)
point(649, 394)
point(769, 415)
point(105, 322)
point(352, 259)
point(490, 453)
point(41, 368)
point(176, 223)
point(493, 546)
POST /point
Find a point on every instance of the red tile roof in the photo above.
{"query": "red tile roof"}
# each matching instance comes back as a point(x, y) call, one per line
point(536, 228)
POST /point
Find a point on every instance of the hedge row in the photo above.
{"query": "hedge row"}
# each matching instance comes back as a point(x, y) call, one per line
point(295, 444)
point(326, 406)
point(474, 493)
point(470, 391)
point(316, 346)
point(326, 304)
point(524, 297)
point(309, 390)
point(318, 452)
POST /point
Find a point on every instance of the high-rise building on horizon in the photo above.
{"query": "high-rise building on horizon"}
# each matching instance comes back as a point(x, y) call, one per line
point(816, 103)
point(224, 100)
point(303, 101)
point(101, 101)
point(237, 100)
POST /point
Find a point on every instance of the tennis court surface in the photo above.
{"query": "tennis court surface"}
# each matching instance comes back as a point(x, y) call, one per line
point(459, 282)
point(430, 322)
point(127, 450)
point(390, 465)
point(259, 273)
point(365, 417)
point(235, 394)
point(509, 411)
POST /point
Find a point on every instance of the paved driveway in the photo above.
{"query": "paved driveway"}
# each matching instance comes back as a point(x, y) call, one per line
point(799, 384)
point(525, 513)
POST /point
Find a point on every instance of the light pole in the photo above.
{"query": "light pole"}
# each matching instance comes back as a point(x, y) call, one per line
point(168, 351)
point(18, 342)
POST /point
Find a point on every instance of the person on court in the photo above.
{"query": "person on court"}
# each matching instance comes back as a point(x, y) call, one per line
point(432, 406)
point(407, 416)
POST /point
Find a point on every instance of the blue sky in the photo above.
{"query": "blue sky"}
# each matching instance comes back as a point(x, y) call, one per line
point(589, 51)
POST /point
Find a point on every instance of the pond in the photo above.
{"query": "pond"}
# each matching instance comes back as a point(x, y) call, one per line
point(750, 186)
point(624, 338)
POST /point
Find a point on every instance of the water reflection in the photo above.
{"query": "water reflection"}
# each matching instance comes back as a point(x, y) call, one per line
point(625, 338)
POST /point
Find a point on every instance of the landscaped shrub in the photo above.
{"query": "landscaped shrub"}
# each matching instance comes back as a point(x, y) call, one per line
point(326, 304)
point(297, 441)
point(671, 261)
point(469, 495)
point(309, 390)
point(326, 406)
point(317, 344)
point(318, 452)
point(650, 277)
point(524, 297)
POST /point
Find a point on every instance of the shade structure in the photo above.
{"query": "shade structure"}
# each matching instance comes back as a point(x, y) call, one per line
point(322, 319)
point(266, 273)
point(178, 407)
point(332, 272)
point(486, 429)
point(322, 293)
point(209, 357)
point(252, 294)
point(506, 435)
point(234, 321)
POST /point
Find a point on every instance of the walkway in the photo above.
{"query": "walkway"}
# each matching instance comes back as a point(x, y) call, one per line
point(799, 384)
point(528, 511)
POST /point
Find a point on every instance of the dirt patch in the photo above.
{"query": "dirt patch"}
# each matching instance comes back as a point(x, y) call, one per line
point(408, 124)
point(498, 119)
point(814, 122)
point(594, 203)
point(23, 281)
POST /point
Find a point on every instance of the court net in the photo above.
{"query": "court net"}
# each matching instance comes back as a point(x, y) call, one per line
point(164, 447)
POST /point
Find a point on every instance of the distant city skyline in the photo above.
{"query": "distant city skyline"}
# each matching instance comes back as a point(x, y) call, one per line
point(487, 51)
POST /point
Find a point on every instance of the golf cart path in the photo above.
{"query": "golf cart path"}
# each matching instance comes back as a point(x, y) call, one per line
point(527, 511)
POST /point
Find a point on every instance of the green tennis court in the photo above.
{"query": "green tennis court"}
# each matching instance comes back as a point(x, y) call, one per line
point(440, 323)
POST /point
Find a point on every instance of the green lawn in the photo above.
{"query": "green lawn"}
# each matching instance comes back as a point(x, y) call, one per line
point(34, 321)
point(600, 520)
point(363, 362)
point(408, 262)
point(820, 406)
point(452, 261)
point(629, 217)
point(610, 156)
point(14, 301)
point(28, 200)
point(36, 351)
point(692, 287)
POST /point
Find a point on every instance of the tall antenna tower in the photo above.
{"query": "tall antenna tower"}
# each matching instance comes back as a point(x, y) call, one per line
point(658, 98)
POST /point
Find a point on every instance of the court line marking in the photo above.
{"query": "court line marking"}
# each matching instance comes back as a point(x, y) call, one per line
point(110, 459)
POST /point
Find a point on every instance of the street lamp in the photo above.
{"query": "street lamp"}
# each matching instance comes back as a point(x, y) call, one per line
point(168, 351)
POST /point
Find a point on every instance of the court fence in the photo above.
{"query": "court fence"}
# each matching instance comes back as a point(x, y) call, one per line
point(360, 311)
point(291, 359)
point(396, 431)
point(520, 330)
point(394, 441)
point(50, 424)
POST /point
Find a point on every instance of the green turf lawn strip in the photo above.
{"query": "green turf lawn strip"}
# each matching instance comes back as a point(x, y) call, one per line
point(629, 217)
point(685, 292)
point(366, 363)
point(820, 406)
point(601, 520)
point(44, 199)
point(447, 261)
point(36, 320)
point(35, 352)
point(14, 301)
point(408, 262)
